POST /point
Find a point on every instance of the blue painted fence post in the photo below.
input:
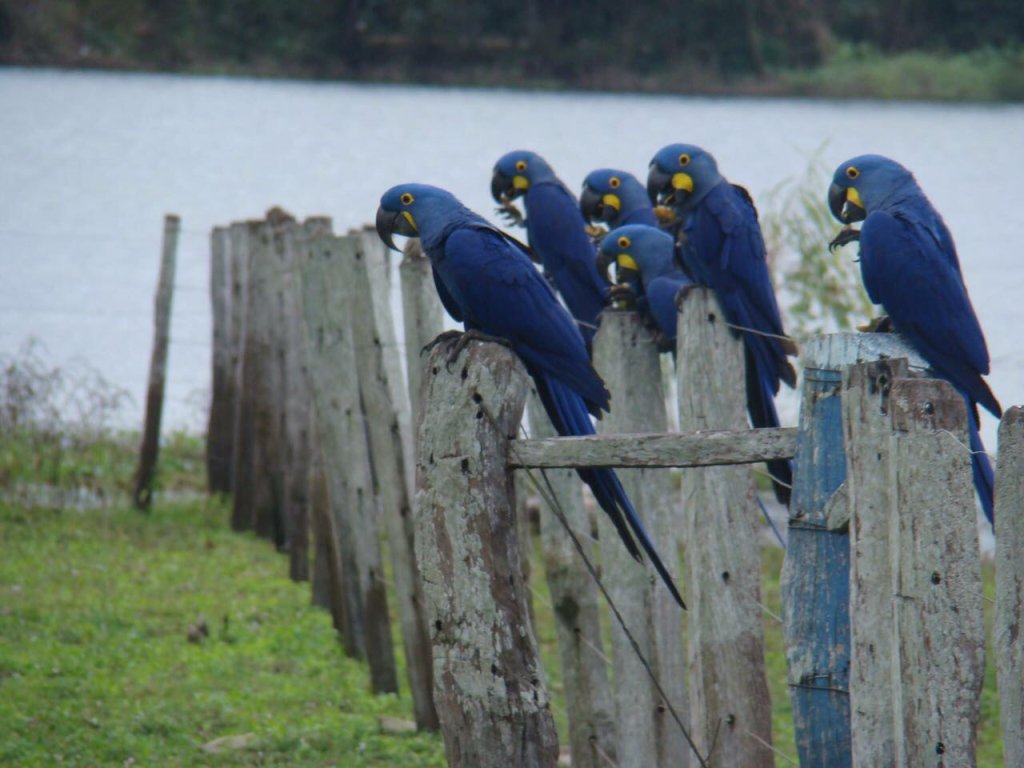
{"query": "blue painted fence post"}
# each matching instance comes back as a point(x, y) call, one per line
point(816, 572)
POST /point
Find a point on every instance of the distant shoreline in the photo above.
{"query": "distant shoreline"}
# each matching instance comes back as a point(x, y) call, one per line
point(854, 72)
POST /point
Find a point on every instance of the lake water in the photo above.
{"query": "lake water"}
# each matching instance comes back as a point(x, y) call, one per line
point(90, 162)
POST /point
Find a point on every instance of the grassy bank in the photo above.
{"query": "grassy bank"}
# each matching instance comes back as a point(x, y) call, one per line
point(96, 665)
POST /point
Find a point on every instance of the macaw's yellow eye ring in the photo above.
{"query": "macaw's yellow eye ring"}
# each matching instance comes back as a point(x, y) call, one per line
point(407, 199)
point(614, 182)
point(684, 159)
point(623, 242)
point(852, 172)
point(521, 166)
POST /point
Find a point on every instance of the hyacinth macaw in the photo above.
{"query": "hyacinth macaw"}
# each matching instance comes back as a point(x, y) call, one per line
point(724, 250)
point(910, 267)
point(615, 198)
point(649, 252)
point(556, 233)
point(485, 280)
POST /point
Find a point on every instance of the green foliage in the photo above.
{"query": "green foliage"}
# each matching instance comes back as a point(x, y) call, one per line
point(821, 291)
point(96, 667)
point(987, 74)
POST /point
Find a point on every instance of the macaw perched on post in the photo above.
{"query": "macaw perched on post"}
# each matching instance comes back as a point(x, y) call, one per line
point(910, 267)
point(556, 233)
point(615, 198)
point(649, 253)
point(486, 281)
point(724, 250)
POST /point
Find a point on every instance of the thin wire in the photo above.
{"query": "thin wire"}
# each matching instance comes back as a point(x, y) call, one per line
point(764, 743)
point(603, 755)
point(552, 500)
point(967, 448)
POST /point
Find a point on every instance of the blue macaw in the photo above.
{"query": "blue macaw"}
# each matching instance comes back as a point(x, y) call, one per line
point(724, 250)
point(910, 266)
point(556, 232)
point(649, 252)
point(615, 198)
point(486, 281)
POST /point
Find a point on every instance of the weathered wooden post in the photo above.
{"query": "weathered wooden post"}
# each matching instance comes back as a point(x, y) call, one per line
point(867, 427)
point(238, 250)
point(342, 436)
point(1007, 627)
point(220, 425)
point(488, 681)
point(939, 634)
point(293, 358)
point(244, 239)
point(730, 707)
point(150, 448)
point(422, 316)
point(627, 359)
point(592, 721)
point(376, 351)
point(816, 575)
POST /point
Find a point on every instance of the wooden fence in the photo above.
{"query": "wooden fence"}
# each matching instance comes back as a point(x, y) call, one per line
point(882, 596)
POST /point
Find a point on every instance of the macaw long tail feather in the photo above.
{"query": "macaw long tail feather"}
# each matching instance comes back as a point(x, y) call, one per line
point(984, 477)
point(569, 416)
point(761, 407)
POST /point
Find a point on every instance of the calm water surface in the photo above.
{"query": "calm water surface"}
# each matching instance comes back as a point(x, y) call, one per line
point(89, 164)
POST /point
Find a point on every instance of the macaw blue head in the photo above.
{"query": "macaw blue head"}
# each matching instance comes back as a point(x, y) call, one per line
point(636, 249)
point(863, 183)
point(606, 192)
point(516, 172)
point(680, 175)
point(413, 210)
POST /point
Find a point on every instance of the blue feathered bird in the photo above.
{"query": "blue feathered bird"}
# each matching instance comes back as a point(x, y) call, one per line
point(556, 232)
point(486, 281)
point(910, 267)
point(724, 250)
point(649, 252)
point(615, 198)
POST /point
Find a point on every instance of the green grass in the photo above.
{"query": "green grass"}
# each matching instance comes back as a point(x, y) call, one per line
point(96, 667)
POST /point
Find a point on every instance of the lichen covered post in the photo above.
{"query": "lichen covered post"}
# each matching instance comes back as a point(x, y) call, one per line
point(730, 707)
point(488, 681)
point(939, 662)
point(1009, 622)
point(219, 426)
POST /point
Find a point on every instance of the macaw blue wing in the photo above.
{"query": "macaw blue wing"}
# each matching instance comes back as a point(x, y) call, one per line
point(557, 234)
point(510, 299)
point(936, 317)
point(660, 296)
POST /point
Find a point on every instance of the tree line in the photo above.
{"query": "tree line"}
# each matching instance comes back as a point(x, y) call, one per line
point(598, 43)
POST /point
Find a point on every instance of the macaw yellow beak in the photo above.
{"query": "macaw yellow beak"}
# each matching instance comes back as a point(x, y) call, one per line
point(845, 204)
point(505, 188)
point(625, 261)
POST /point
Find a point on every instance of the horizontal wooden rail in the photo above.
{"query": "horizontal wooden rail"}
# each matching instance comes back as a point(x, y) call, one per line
point(694, 449)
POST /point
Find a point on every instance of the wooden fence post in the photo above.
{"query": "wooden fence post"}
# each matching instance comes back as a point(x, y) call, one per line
point(368, 302)
point(422, 317)
point(220, 424)
point(1007, 627)
point(867, 426)
point(295, 391)
point(625, 356)
point(488, 680)
point(815, 580)
point(342, 436)
point(939, 633)
point(150, 448)
point(238, 249)
point(730, 707)
point(592, 721)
